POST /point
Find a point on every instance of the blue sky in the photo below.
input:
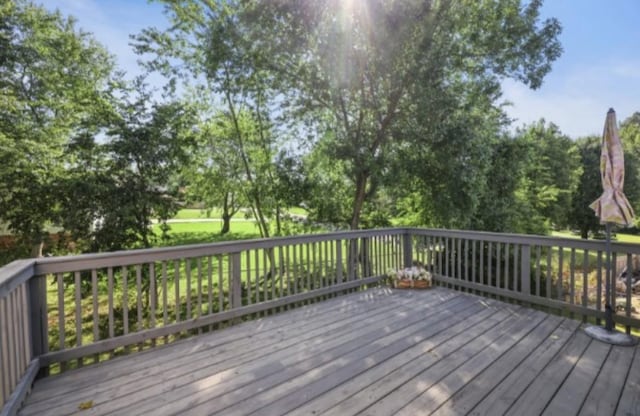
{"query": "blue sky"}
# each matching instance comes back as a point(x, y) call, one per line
point(600, 66)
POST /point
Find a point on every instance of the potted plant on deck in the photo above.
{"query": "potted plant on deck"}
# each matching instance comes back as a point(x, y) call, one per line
point(415, 277)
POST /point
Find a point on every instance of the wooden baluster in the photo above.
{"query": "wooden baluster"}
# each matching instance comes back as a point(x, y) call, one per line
point(210, 288)
point(78, 304)
point(538, 255)
point(165, 299)
point(125, 303)
point(585, 282)
point(5, 387)
point(249, 283)
point(599, 284)
point(139, 310)
point(61, 317)
point(628, 290)
point(153, 293)
point(220, 286)
point(96, 317)
point(176, 287)
point(559, 288)
point(572, 280)
point(549, 272)
point(198, 314)
point(110, 306)
point(187, 265)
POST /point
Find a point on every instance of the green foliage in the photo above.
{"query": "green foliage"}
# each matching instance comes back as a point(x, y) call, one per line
point(581, 217)
point(354, 71)
point(117, 187)
point(551, 174)
point(53, 79)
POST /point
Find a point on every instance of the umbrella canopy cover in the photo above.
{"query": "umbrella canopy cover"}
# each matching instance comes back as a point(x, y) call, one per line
point(612, 206)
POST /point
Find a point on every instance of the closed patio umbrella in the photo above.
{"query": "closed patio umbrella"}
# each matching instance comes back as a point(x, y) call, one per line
point(612, 208)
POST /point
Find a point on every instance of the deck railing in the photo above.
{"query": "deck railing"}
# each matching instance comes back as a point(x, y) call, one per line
point(65, 312)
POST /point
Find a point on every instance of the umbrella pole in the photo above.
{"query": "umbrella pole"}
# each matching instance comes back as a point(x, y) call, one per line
point(607, 308)
point(608, 334)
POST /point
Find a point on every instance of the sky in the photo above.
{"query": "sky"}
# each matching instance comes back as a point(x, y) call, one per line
point(599, 68)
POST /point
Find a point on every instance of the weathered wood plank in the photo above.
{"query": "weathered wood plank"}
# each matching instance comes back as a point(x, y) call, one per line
point(255, 397)
point(249, 345)
point(314, 384)
point(396, 400)
point(344, 396)
point(322, 313)
point(605, 392)
point(264, 368)
point(630, 400)
point(541, 391)
point(515, 383)
point(438, 394)
point(575, 387)
point(372, 352)
point(406, 373)
point(475, 390)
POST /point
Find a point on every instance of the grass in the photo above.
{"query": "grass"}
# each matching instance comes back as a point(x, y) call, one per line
point(619, 237)
point(216, 213)
point(209, 232)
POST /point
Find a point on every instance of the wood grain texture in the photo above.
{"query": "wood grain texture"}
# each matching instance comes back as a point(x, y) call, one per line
point(373, 352)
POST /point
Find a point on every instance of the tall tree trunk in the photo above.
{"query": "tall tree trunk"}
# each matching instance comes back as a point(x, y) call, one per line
point(226, 224)
point(36, 249)
point(358, 200)
point(226, 215)
point(584, 233)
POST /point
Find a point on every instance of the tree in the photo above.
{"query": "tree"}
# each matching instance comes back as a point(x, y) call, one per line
point(214, 177)
point(552, 171)
point(53, 78)
point(205, 47)
point(355, 69)
point(368, 66)
point(118, 186)
point(581, 216)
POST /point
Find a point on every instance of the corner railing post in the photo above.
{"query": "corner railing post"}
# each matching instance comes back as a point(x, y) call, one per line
point(407, 249)
point(38, 317)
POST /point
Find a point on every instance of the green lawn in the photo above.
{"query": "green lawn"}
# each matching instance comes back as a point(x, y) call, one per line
point(206, 232)
point(619, 237)
point(194, 213)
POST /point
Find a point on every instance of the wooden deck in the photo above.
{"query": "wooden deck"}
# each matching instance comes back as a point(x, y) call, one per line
point(378, 352)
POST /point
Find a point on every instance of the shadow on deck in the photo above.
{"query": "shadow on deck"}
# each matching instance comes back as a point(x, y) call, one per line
point(380, 351)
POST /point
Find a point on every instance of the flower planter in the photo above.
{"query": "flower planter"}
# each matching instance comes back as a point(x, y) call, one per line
point(411, 284)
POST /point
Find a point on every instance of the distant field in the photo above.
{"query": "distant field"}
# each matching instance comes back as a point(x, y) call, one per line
point(207, 232)
point(194, 213)
point(622, 238)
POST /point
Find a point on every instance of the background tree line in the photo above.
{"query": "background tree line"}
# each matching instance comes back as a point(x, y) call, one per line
point(362, 112)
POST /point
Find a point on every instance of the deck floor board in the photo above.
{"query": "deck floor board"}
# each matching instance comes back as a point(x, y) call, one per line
point(375, 352)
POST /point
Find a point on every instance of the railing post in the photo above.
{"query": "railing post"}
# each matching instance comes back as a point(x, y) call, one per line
point(339, 264)
point(407, 249)
point(236, 281)
point(352, 260)
point(38, 318)
point(365, 258)
point(525, 269)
